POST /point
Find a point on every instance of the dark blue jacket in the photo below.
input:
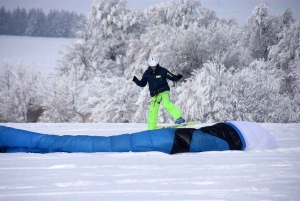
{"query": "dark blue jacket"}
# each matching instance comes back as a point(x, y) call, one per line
point(157, 80)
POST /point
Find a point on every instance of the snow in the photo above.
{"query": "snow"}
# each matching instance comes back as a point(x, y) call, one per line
point(41, 53)
point(272, 174)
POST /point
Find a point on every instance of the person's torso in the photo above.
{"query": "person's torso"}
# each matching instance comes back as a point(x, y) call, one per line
point(157, 80)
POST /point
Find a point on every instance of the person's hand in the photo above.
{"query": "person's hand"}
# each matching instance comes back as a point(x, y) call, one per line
point(134, 79)
point(179, 76)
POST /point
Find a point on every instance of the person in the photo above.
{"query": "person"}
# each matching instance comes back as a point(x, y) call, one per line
point(156, 77)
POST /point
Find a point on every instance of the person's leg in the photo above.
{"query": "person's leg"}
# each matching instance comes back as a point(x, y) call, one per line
point(153, 111)
point(170, 107)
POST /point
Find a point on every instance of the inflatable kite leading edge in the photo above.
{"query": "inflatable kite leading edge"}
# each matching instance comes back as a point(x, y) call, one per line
point(233, 135)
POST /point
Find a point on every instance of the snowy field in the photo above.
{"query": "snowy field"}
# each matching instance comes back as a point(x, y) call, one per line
point(230, 175)
point(40, 53)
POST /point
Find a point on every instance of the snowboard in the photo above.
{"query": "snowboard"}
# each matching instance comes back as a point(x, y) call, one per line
point(178, 125)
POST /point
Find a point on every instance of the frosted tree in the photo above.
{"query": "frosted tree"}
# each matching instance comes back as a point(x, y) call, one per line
point(213, 55)
point(21, 97)
point(18, 21)
point(170, 13)
point(185, 42)
point(205, 95)
point(115, 24)
point(152, 42)
point(294, 88)
point(287, 17)
point(99, 53)
point(92, 93)
point(59, 23)
point(27, 91)
point(114, 102)
point(105, 37)
point(222, 41)
point(215, 93)
point(187, 50)
point(175, 39)
point(218, 43)
point(52, 23)
point(256, 92)
point(260, 32)
point(288, 48)
point(5, 16)
point(286, 55)
point(60, 101)
point(82, 63)
point(36, 23)
point(142, 103)
point(184, 14)
point(8, 111)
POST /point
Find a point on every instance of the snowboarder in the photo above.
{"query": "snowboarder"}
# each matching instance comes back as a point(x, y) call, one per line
point(156, 76)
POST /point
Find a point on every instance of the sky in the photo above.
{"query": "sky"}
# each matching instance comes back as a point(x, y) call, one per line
point(239, 9)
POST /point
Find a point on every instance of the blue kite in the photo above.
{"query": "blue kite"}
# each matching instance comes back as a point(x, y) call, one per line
point(232, 135)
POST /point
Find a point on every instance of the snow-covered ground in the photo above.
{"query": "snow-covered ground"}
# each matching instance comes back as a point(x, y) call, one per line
point(229, 175)
point(40, 53)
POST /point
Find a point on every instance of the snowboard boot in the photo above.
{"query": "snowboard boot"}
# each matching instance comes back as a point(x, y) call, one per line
point(180, 120)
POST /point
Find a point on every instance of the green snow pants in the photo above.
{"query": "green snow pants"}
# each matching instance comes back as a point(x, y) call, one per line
point(163, 98)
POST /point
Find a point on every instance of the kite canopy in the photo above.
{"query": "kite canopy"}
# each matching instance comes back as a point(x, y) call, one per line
point(231, 135)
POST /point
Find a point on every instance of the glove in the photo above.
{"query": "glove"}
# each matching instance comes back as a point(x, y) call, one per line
point(179, 76)
point(134, 79)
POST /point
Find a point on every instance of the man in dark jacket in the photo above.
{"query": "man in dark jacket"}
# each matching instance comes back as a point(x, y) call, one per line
point(156, 76)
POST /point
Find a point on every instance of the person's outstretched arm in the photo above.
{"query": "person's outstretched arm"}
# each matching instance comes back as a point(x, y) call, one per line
point(142, 82)
point(173, 77)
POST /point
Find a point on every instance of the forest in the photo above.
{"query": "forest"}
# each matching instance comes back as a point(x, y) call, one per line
point(230, 72)
point(35, 22)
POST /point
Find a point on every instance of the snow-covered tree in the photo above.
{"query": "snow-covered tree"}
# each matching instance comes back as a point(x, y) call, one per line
point(261, 32)
point(142, 103)
point(18, 21)
point(59, 101)
point(36, 23)
point(287, 17)
point(21, 98)
point(7, 109)
point(184, 14)
point(100, 50)
point(114, 102)
point(113, 23)
point(204, 96)
point(170, 13)
point(221, 80)
point(5, 17)
point(28, 92)
point(255, 89)
point(187, 50)
point(153, 42)
point(294, 89)
point(184, 48)
point(215, 93)
point(288, 48)
point(286, 55)
point(222, 41)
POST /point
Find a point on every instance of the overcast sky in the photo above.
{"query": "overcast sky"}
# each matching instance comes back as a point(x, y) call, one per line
point(239, 9)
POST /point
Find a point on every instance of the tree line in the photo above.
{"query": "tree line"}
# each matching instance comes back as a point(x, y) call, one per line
point(230, 72)
point(35, 22)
